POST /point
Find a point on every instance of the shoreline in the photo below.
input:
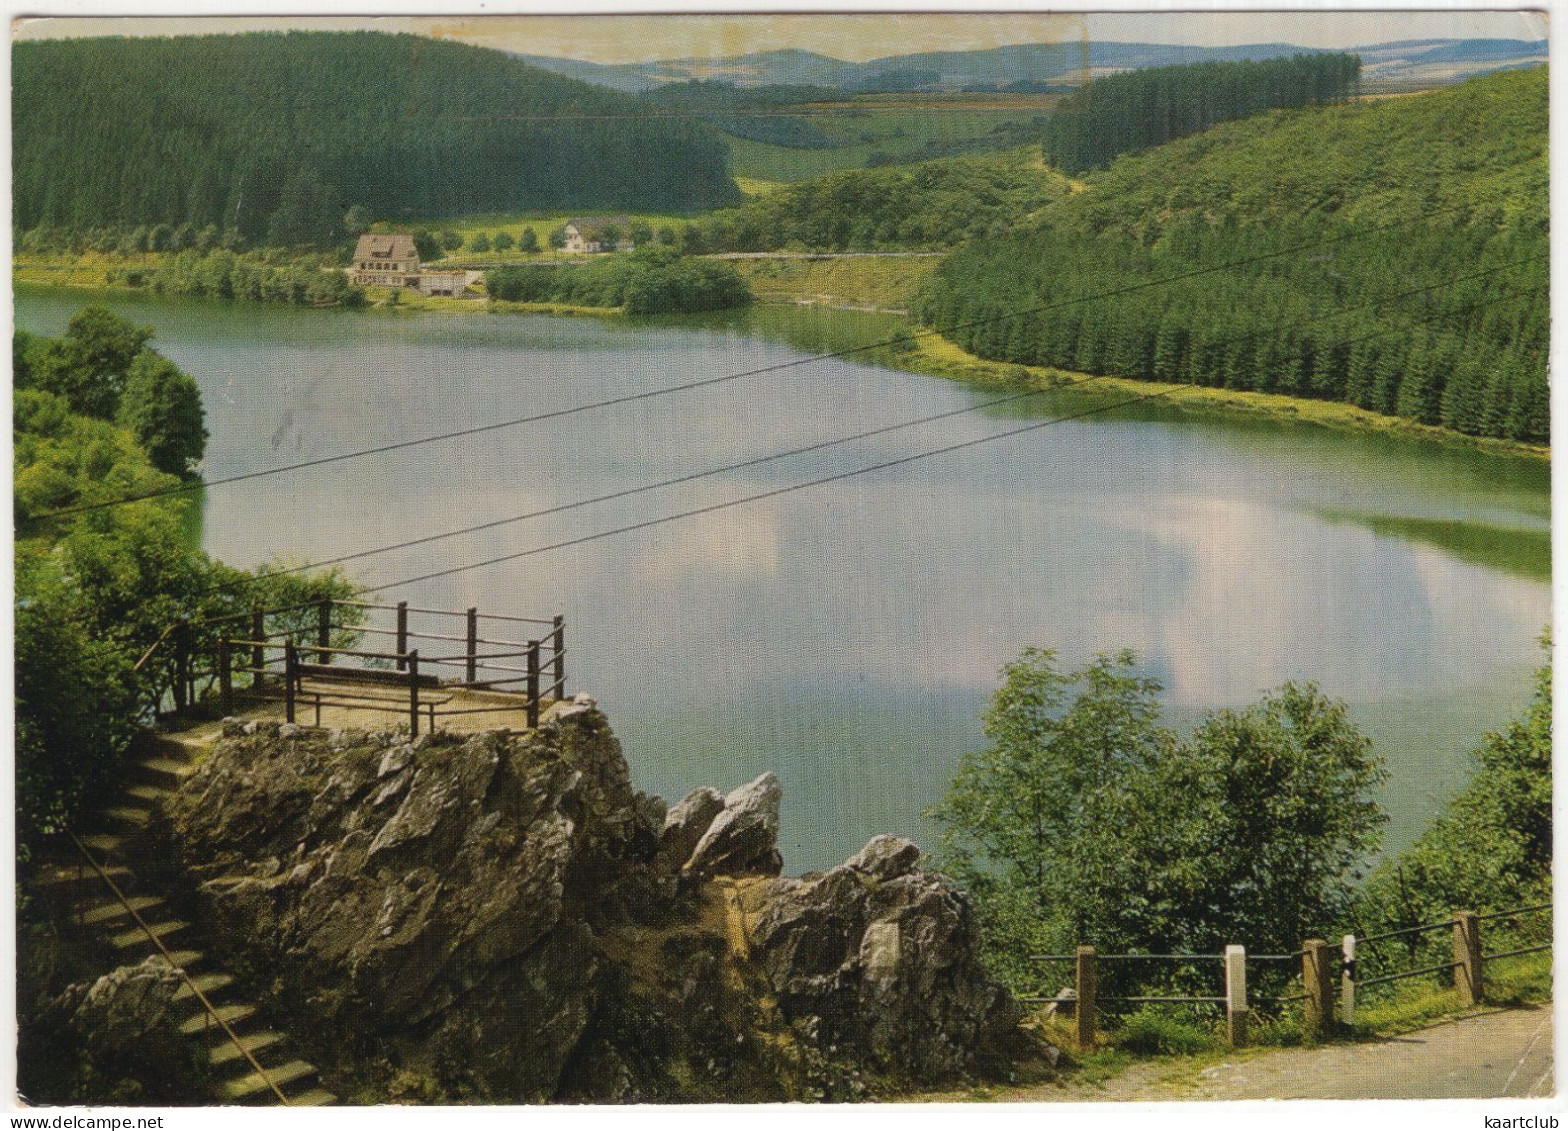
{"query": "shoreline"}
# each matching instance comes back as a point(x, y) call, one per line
point(935, 356)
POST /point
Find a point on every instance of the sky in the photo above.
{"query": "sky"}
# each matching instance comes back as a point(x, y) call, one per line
point(640, 37)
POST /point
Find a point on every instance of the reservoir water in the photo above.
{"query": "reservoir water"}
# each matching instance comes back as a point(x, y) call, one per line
point(847, 635)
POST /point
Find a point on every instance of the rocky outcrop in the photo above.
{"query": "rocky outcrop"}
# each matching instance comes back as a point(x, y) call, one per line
point(128, 1006)
point(506, 918)
point(879, 956)
point(116, 1040)
point(741, 839)
point(685, 825)
point(444, 893)
point(885, 857)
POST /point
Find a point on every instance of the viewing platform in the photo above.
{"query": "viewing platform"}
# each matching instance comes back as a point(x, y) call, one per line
point(315, 664)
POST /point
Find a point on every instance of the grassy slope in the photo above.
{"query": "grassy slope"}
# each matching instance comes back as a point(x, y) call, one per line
point(879, 284)
point(901, 130)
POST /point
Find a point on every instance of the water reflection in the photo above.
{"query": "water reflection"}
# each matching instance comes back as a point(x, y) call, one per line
point(846, 635)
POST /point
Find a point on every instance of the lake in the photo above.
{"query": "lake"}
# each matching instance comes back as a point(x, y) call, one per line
point(846, 636)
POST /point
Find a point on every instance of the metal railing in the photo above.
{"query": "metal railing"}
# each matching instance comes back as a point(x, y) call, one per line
point(302, 656)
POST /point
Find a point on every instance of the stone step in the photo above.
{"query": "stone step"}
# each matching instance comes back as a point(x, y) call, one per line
point(186, 744)
point(135, 935)
point(208, 984)
point(114, 909)
point(151, 794)
point(186, 960)
point(164, 770)
point(65, 874)
point(232, 1014)
point(316, 1097)
point(132, 816)
point(224, 1051)
point(104, 842)
point(254, 1082)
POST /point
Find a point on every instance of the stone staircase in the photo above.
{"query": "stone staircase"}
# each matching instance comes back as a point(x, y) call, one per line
point(95, 901)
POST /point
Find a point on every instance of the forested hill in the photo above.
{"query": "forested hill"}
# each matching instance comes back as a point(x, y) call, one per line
point(1356, 207)
point(277, 135)
point(1132, 111)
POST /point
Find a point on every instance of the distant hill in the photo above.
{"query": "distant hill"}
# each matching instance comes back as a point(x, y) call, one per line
point(1412, 62)
point(276, 136)
point(1432, 62)
point(1353, 206)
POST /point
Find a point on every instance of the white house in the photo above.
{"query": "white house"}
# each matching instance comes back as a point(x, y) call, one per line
point(585, 235)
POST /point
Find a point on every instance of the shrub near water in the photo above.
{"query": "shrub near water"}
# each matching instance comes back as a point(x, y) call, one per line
point(251, 277)
point(651, 280)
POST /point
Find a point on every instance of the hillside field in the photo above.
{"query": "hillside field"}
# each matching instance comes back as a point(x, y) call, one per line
point(894, 129)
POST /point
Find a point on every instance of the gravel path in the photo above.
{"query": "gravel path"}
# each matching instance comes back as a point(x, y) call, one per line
point(1505, 1052)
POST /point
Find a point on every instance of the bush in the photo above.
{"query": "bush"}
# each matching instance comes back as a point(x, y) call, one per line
point(96, 589)
point(1159, 1032)
point(1086, 821)
point(651, 280)
point(88, 366)
point(1491, 847)
point(162, 408)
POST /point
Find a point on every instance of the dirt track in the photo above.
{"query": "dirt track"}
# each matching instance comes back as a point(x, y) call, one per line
point(1505, 1052)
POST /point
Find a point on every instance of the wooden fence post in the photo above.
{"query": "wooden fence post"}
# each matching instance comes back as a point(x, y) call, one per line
point(558, 663)
point(473, 645)
point(290, 665)
point(413, 693)
point(258, 654)
point(1467, 958)
point(1236, 995)
point(533, 683)
point(1347, 981)
point(1317, 981)
point(225, 677)
point(402, 633)
point(324, 631)
point(1084, 1008)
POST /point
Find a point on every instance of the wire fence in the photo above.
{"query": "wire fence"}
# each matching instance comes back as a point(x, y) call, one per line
point(1323, 980)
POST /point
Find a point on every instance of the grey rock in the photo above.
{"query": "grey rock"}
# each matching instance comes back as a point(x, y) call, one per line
point(126, 1024)
point(885, 857)
point(508, 918)
point(886, 971)
point(428, 903)
point(127, 1005)
point(1065, 1004)
point(394, 760)
point(685, 824)
point(742, 839)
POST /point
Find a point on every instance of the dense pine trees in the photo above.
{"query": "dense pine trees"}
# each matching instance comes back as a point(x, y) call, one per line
point(1467, 355)
point(1128, 112)
point(1331, 214)
point(275, 137)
